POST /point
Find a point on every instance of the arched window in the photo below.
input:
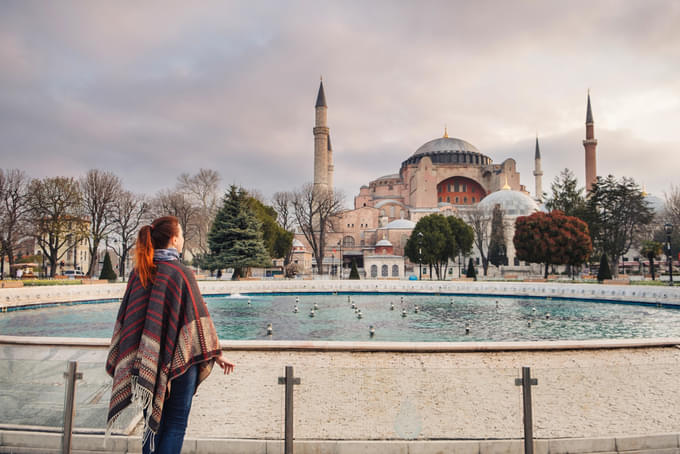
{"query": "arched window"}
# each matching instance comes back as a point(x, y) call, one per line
point(384, 272)
point(348, 241)
point(395, 271)
point(391, 211)
point(374, 270)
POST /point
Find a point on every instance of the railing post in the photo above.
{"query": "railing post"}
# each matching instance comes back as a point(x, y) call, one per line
point(526, 382)
point(71, 376)
point(289, 380)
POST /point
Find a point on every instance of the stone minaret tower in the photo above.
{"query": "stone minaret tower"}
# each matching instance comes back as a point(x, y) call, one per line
point(323, 154)
point(590, 144)
point(538, 173)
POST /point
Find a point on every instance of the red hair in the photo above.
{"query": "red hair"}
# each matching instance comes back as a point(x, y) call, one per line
point(154, 236)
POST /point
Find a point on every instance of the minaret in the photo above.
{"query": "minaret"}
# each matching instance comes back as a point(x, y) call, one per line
point(590, 144)
point(538, 173)
point(322, 163)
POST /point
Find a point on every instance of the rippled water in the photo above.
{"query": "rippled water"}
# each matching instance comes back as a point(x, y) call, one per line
point(488, 319)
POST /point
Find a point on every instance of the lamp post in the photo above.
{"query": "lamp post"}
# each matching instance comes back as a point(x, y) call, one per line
point(341, 257)
point(420, 256)
point(668, 228)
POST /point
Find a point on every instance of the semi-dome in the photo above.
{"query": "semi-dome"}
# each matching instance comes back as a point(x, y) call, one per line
point(513, 203)
point(657, 204)
point(401, 224)
point(384, 242)
point(449, 150)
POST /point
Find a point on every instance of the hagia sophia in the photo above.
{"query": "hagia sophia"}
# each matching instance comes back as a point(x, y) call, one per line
point(445, 175)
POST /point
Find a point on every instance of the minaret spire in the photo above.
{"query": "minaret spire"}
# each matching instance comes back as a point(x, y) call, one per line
point(538, 172)
point(590, 145)
point(323, 153)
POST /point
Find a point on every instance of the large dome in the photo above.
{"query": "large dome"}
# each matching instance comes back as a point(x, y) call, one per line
point(445, 144)
point(449, 150)
point(513, 203)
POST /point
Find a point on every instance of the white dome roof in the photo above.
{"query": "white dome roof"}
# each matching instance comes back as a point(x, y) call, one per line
point(297, 243)
point(657, 204)
point(514, 203)
point(383, 242)
point(445, 144)
point(401, 224)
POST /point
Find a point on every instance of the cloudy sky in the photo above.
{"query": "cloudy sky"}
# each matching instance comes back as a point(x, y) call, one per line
point(152, 89)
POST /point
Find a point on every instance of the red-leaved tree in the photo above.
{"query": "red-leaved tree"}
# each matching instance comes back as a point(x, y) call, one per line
point(553, 239)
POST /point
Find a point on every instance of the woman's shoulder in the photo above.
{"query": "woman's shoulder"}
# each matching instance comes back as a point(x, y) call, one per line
point(177, 270)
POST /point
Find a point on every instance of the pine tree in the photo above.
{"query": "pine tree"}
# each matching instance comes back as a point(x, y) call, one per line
point(354, 273)
point(497, 247)
point(471, 272)
point(235, 239)
point(604, 272)
point(107, 269)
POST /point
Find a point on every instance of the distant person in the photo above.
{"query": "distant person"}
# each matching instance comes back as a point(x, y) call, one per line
point(164, 343)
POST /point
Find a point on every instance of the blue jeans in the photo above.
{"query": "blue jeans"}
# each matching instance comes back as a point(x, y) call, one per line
point(175, 416)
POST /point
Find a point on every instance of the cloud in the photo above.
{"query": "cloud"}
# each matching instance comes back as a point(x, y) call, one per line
point(155, 89)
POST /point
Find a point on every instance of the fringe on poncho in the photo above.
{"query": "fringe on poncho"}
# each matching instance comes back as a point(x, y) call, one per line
point(159, 333)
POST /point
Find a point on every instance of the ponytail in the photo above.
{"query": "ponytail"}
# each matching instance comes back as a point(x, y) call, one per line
point(154, 236)
point(144, 256)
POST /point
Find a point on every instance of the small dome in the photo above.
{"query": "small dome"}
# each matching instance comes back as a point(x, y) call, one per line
point(384, 242)
point(514, 203)
point(297, 243)
point(401, 224)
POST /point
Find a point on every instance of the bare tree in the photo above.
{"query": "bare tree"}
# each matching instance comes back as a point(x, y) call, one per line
point(127, 215)
point(176, 203)
point(203, 191)
point(672, 206)
point(283, 204)
point(314, 210)
point(479, 220)
point(54, 205)
point(99, 193)
point(13, 213)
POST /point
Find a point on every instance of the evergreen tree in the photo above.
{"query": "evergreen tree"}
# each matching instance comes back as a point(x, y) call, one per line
point(604, 272)
point(278, 241)
point(471, 272)
point(497, 246)
point(107, 269)
point(354, 273)
point(235, 239)
point(566, 196)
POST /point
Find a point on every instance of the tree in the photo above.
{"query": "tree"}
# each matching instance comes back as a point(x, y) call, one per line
point(315, 209)
point(478, 219)
point(471, 272)
point(616, 212)
point(552, 238)
point(566, 196)
point(202, 190)
point(604, 272)
point(54, 208)
point(497, 246)
point(127, 215)
point(283, 205)
point(13, 213)
point(235, 239)
point(354, 272)
point(107, 269)
point(462, 237)
point(434, 247)
point(279, 242)
point(651, 250)
point(99, 191)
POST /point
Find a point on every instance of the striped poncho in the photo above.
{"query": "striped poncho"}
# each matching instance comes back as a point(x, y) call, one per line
point(159, 333)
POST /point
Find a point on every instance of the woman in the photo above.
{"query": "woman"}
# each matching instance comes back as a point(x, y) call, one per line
point(164, 343)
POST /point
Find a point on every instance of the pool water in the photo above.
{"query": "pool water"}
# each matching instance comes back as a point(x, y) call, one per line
point(486, 319)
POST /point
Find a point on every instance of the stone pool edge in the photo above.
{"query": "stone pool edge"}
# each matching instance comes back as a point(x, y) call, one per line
point(36, 297)
point(399, 347)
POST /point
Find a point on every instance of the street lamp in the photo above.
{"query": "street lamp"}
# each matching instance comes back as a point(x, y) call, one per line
point(668, 228)
point(420, 256)
point(341, 257)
